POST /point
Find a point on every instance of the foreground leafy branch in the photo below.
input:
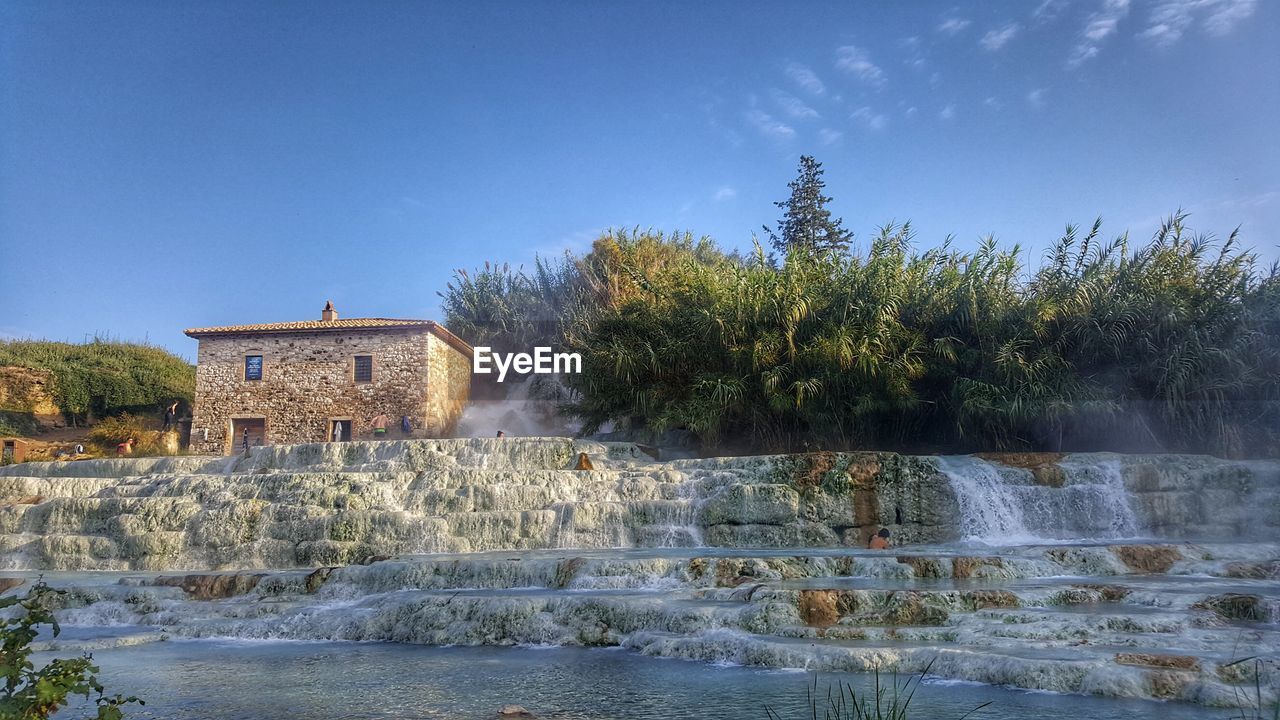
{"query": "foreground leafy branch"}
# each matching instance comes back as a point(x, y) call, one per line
point(30, 693)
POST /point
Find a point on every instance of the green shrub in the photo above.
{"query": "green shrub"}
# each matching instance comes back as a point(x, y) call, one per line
point(103, 377)
point(18, 424)
point(110, 432)
point(1168, 345)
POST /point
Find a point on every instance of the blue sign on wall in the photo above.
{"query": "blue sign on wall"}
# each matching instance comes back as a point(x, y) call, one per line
point(252, 367)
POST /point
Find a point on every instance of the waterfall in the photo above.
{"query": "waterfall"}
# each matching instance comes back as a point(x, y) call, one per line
point(1002, 505)
point(988, 512)
point(1103, 481)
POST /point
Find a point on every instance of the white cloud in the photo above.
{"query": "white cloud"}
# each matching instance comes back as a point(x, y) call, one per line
point(911, 112)
point(1224, 16)
point(1170, 19)
point(952, 26)
point(807, 79)
point(855, 61)
point(827, 136)
point(1100, 26)
point(1036, 98)
point(1049, 10)
point(915, 54)
point(870, 118)
point(1264, 199)
point(998, 38)
point(948, 112)
point(724, 193)
point(768, 125)
point(993, 103)
point(793, 106)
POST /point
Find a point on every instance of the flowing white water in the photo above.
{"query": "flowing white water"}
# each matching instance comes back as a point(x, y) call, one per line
point(1101, 484)
point(989, 512)
point(999, 505)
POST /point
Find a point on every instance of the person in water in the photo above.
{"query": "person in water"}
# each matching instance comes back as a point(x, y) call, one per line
point(880, 541)
point(501, 434)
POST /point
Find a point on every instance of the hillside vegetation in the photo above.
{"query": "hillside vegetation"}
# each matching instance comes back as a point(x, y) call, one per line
point(1172, 343)
point(102, 378)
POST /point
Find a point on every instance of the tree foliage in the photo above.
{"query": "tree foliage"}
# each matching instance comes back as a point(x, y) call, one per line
point(32, 693)
point(806, 223)
point(511, 309)
point(1172, 344)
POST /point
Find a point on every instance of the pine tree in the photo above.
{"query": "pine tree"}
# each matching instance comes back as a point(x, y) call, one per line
point(806, 222)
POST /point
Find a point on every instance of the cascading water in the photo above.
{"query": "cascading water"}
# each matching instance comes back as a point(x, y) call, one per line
point(1100, 487)
point(1002, 505)
point(988, 511)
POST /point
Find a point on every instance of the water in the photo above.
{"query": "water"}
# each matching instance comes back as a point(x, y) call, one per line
point(1000, 505)
point(235, 680)
point(989, 509)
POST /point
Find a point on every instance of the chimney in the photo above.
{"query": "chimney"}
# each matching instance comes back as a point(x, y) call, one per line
point(329, 313)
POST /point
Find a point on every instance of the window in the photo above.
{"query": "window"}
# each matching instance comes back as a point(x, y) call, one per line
point(252, 367)
point(364, 368)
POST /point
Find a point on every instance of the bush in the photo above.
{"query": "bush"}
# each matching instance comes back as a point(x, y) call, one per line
point(34, 694)
point(1168, 345)
point(110, 432)
point(103, 377)
point(18, 424)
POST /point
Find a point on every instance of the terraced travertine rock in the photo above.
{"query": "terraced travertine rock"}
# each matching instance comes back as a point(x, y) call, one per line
point(506, 542)
point(337, 503)
point(1072, 619)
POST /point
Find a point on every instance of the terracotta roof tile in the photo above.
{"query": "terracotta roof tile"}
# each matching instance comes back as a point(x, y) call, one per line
point(329, 325)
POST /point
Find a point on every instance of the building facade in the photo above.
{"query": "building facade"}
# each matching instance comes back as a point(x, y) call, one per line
point(325, 380)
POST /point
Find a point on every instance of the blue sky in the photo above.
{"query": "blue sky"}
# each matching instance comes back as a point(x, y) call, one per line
point(166, 165)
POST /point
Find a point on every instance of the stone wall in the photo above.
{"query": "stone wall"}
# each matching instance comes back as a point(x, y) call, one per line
point(308, 380)
point(449, 377)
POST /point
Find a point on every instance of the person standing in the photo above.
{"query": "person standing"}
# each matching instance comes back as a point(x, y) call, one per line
point(244, 441)
point(406, 427)
point(171, 417)
point(380, 426)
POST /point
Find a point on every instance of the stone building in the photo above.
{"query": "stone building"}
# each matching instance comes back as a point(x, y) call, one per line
point(325, 380)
